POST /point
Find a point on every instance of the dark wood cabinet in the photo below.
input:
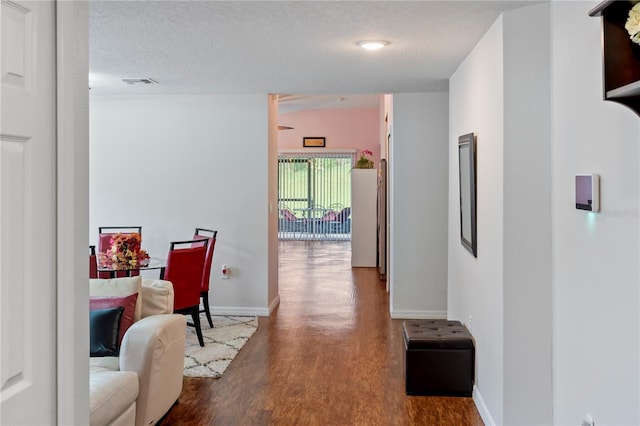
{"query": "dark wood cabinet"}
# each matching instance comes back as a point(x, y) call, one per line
point(620, 56)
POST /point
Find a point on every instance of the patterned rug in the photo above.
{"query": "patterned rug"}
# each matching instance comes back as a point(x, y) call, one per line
point(221, 344)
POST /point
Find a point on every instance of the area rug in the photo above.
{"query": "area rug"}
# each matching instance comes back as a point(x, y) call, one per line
point(221, 344)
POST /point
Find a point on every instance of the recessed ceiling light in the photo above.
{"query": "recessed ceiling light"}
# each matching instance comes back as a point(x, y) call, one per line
point(372, 44)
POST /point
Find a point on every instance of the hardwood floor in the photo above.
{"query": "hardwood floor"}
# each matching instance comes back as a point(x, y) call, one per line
point(329, 355)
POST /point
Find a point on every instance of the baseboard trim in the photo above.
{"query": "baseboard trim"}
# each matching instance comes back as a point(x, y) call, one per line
point(482, 408)
point(274, 304)
point(405, 314)
point(240, 311)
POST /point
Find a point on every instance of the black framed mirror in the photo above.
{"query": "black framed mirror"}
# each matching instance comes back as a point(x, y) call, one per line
point(467, 180)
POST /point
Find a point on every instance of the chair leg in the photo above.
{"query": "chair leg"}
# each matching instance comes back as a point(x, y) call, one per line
point(205, 303)
point(195, 314)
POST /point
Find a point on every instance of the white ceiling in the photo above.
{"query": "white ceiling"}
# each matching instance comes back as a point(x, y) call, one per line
point(284, 47)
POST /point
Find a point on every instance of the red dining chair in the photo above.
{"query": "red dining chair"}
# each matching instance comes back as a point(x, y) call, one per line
point(184, 270)
point(199, 234)
point(93, 262)
point(105, 233)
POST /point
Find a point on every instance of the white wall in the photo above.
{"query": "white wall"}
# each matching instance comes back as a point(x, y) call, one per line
point(527, 217)
point(418, 178)
point(475, 293)
point(596, 256)
point(72, 328)
point(171, 163)
point(554, 291)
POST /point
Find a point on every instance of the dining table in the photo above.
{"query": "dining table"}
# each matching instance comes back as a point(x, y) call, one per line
point(153, 264)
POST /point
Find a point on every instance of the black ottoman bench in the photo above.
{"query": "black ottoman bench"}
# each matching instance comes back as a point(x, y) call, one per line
point(439, 358)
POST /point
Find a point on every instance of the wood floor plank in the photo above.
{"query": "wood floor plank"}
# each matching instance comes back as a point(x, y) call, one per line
point(329, 355)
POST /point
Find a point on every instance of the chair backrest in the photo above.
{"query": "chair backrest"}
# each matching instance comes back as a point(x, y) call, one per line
point(344, 214)
point(288, 214)
point(204, 232)
point(106, 232)
point(211, 235)
point(330, 216)
point(184, 270)
point(93, 262)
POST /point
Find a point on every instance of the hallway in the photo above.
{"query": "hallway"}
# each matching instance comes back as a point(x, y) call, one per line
point(329, 355)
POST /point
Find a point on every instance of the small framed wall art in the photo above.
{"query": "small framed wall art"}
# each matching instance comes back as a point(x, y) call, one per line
point(315, 142)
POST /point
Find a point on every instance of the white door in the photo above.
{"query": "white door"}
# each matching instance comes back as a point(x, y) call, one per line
point(27, 213)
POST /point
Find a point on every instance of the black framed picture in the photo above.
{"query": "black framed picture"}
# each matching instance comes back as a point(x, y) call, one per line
point(313, 142)
point(467, 179)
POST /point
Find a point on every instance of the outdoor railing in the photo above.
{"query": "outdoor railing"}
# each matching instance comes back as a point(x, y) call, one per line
point(314, 224)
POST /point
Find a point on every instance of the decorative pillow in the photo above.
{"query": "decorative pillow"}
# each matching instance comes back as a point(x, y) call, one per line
point(127, 302)
point(103, 331)
point(118, 287)
point(157, 297)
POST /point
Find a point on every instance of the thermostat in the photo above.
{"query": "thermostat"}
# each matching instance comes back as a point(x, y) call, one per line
point(588, 192)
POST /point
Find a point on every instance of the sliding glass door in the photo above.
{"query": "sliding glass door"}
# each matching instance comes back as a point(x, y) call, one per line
point(314, 195)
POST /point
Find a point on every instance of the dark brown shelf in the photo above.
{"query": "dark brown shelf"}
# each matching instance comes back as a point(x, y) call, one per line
point(597, 11)
point(620, 56)
point(626, 91)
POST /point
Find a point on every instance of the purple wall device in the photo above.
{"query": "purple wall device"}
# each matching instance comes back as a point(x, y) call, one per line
point(588, 192)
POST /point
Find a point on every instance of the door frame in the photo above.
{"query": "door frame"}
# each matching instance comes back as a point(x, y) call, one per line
point(72, 215)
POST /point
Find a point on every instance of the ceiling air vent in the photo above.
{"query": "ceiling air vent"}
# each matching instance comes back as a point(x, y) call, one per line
point(139, 81)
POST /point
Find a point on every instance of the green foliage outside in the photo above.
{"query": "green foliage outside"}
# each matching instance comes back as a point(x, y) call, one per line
point(304, 183)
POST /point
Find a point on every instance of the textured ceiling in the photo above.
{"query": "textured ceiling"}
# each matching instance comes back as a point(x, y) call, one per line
point(283, 47)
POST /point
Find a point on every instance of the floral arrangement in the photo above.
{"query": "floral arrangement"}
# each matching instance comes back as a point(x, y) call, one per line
point(124, 252)
point(633, 24)
point(364, 162)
